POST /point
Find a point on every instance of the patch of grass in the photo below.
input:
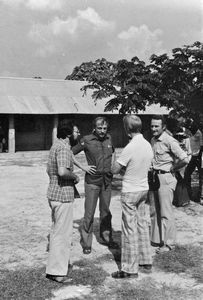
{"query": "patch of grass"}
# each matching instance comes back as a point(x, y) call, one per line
point(147, 290)
point(25, 284)
point(90, 274)
point(182, 259)
point(30, 283)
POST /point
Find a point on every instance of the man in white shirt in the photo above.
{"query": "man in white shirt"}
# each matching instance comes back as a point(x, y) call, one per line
point(136, 158)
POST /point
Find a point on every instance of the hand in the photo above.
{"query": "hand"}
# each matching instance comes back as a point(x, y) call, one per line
point(122, 171)
point(172, 170)
point(77, 179)
point(90, 169)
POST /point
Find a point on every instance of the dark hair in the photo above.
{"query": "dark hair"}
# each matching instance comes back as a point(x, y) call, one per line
point(102, 119)
point(132, 123)
point(159, 117)
point(64, 130)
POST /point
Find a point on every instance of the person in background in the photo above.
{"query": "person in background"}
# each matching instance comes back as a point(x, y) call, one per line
point(136, 158)
point(2, 140)
point(168, 158)
point(196, 144)
point(98, 150)
point(181, 196)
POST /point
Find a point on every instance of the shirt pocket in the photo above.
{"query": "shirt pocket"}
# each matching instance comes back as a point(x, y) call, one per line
point(160, 154)
point(108, 149)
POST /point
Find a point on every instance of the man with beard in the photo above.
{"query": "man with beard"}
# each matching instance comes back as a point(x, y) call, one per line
point(60, 195)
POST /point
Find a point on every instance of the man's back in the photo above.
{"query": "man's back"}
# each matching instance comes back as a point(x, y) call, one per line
point(136, 157)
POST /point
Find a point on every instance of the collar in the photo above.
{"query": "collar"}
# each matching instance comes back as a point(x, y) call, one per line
point(161, 137)
point(137, 136)
point(64, 142)
point(95, 137)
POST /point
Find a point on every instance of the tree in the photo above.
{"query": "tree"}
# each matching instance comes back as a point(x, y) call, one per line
point(128, 85)
point(180, 79)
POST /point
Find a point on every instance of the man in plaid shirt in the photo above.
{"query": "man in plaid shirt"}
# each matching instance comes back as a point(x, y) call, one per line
point(136, 158)
point(60, 195)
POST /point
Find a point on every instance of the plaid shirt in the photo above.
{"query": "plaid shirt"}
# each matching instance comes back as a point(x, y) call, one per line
point(60, 189)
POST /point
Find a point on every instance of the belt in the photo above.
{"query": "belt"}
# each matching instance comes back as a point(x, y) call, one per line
point(161, 171)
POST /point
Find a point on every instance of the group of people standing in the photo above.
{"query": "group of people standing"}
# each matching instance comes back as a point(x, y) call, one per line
point(137, 160)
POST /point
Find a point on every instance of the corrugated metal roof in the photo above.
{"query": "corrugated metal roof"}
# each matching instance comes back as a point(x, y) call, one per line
point(47, 96)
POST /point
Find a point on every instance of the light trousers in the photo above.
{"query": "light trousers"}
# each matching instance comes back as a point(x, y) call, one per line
point(163, 228)
point(60, 238)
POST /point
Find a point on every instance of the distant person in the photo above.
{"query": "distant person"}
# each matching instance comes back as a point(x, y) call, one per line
point(61, 196)
point(181, 196)
point(2, 140)
point(168, 159)
point(98, 150)
point(196, 144)
point(136, 158)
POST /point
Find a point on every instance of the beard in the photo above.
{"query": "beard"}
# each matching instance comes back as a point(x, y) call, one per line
point(73, 142)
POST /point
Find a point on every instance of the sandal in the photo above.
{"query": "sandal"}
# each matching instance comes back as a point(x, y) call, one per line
point(87, 250)
point(59, 279)
point(122, 275)
point(163, 249)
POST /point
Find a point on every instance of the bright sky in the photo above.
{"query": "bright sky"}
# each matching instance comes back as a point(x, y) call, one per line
point(48, 38)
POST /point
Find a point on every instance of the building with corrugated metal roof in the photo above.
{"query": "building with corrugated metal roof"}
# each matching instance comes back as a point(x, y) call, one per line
point(30, 110)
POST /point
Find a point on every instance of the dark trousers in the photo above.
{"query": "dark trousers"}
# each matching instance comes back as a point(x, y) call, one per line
point(92, 193)
point(194, 163)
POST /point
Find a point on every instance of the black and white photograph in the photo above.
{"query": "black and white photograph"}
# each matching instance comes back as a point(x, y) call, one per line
point(101, 141)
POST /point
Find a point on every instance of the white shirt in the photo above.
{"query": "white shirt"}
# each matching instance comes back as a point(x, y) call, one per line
point(196, 142)
point(137, 158)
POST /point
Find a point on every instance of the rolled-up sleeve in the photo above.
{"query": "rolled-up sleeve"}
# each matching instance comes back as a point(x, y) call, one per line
point(177, 151)
point(64, 158)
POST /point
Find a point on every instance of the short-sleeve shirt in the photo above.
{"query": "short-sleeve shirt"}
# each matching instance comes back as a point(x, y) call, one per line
point(137, 158)
point(166, 150)
point(60, 189)
point(98, 153)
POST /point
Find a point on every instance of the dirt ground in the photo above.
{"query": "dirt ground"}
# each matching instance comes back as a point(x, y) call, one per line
point(25, 222)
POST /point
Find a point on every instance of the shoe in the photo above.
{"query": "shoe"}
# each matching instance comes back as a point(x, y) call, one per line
point(122, 275)
point(87, 250)
point(146, 268)
point(163, 249)
point(59, 279)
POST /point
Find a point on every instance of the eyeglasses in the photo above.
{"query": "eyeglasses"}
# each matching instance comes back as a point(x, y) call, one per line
point(76, 131)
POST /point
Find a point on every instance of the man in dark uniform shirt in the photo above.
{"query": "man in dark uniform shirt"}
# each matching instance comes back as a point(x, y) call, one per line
point(98, 149)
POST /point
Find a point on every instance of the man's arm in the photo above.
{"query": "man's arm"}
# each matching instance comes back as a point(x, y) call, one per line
point(79, 147)
point(88, 169)
point(117, 168)
point(179, 165)
point(66, 173)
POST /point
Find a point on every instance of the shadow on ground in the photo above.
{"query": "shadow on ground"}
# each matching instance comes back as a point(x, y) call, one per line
point(115, 253)
point(183, 259)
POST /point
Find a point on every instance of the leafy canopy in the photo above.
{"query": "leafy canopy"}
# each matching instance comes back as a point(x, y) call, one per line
point(128, 85)
point(175, 82)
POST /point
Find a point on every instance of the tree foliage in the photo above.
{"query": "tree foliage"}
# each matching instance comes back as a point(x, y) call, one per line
point(175, 82)
point(127, 85)
point(180, 79)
